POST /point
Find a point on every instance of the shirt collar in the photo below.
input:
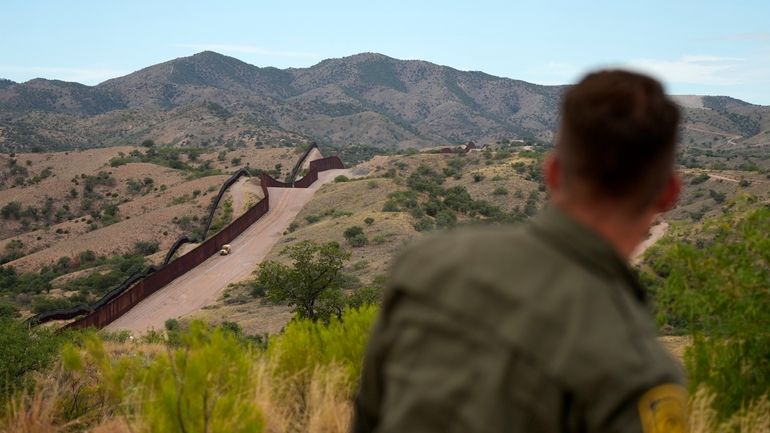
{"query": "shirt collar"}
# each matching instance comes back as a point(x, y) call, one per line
point(585, 245)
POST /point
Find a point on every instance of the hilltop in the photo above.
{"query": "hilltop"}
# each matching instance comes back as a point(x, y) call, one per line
point(369, 98)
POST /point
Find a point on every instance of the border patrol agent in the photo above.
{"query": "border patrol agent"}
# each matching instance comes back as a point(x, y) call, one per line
point(542, 328)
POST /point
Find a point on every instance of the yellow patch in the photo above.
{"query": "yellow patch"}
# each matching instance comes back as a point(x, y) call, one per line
point(663, 409)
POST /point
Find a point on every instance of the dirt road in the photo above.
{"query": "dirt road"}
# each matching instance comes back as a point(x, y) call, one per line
point(719, 177)
point(204, 284)
point(656, 232)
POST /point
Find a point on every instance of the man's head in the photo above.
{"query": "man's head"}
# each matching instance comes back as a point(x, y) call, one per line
point(616, 143)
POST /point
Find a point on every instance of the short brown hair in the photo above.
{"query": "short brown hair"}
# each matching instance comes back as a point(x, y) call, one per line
point(618, 135)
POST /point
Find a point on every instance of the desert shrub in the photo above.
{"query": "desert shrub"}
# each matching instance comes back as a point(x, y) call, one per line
point(372, 184)
point(365, 296)
point(699, 179)
point(446, 218)
point(457, 198)
point(341, 178)
point(311, 219)
point(718, 197)
point(425, 179)
point(87, 256)
point(11, 210)
point(368, 221)
point(390, 206)
point(500, 191)
point(423, 224)
point(146, 248)
point(355, 236)
point(454, 167)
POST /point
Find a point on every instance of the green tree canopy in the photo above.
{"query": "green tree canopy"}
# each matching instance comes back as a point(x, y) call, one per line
point(311, 285)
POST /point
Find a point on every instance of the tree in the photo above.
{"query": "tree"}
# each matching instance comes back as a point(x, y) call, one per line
point(311, 285)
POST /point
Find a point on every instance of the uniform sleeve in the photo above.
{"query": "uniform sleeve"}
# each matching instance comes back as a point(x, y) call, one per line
point(660, 408)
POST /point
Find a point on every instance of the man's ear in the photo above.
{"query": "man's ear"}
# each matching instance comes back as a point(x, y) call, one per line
point(670, 193)
point(552, 171)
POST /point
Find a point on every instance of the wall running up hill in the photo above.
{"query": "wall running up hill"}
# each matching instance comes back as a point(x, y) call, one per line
point(127, 299)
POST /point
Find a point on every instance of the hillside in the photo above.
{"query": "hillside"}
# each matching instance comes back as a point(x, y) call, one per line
point(371, 99)
point(81, 215)
point(393, 202)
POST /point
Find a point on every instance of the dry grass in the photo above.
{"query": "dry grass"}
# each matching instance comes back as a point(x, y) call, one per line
point(321, 407)
point(317, 402)
point(288, 404)
point(703, 418)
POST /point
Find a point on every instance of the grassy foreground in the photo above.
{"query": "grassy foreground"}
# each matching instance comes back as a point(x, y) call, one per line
point(207, 379)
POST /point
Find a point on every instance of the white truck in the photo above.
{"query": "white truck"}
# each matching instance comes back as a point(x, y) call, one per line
point(226, 248)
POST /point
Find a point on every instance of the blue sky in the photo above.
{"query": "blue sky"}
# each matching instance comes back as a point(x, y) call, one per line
point(696, 47)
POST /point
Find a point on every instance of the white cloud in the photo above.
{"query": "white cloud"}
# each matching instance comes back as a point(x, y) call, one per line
point(703, 70)
point(757, 36)
point(80, 75)
point(247, 49)
point(554, 73)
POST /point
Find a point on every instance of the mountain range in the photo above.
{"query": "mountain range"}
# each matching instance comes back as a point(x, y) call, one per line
point(368, 98)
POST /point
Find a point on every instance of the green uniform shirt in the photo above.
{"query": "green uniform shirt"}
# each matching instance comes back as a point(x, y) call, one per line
point(541, 328)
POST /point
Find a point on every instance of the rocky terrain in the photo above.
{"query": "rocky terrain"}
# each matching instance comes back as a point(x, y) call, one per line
point(370, 99)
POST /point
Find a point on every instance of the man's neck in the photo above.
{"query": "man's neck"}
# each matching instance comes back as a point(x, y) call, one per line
point(623, 231)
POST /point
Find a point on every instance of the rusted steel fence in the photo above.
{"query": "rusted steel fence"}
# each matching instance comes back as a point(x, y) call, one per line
point(109, 309)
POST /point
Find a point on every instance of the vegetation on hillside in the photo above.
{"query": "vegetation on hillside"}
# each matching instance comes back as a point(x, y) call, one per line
point(32, 290)
point(170, 156)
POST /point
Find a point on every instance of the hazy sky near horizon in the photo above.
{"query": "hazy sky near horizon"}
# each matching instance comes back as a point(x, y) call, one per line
point(696, 47)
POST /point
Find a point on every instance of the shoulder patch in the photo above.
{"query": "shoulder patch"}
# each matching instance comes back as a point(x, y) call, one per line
point(663, 409)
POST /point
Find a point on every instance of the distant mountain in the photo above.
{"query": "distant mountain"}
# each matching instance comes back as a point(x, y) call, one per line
point(366, 98)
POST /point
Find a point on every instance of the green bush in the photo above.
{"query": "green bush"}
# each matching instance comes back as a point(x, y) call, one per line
point(355, 236)
point(146, 248)
point(717, 290)
point(500, 191)
point(390, 206)
point(8, 310)
point(423, 224)
point(699, 179)
point(341, 178)
point(22, 351)
point(305, 345)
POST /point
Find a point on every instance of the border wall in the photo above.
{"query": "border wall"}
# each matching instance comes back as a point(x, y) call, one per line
point(138, 287)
